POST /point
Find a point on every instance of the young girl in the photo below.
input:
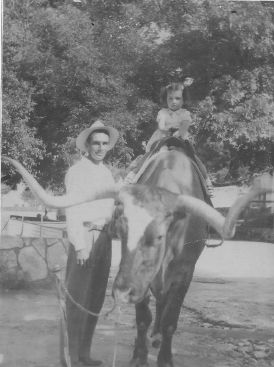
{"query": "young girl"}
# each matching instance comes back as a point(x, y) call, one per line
point(172, 119)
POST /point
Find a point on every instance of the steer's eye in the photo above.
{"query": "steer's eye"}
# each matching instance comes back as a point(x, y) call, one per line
point(160, 237)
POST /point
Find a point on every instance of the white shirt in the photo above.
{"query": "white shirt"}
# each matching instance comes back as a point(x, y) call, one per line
point(84, 177)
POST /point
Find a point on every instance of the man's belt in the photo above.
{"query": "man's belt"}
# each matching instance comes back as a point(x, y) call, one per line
point(93, 227)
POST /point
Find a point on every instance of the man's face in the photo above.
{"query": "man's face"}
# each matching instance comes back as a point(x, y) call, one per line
point(97, 146)
point(175, 100)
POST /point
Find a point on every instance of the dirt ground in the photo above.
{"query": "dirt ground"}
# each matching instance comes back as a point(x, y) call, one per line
point(223, 323)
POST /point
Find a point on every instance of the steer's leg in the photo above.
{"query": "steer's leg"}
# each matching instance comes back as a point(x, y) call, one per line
point(143, 320)
point(156, 332)
point(174, 299)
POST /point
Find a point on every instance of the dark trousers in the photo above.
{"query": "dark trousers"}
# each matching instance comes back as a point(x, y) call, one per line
point(87, 285)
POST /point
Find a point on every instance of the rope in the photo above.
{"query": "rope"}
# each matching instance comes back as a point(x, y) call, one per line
point(107, 313)
point(117, 322)
point(63, 290)
point(82, 308)
point(77, 304)
point(64, 332)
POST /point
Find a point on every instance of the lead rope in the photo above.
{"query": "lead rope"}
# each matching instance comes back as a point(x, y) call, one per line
point(117, 322)
point(62, 290)
point(56, 272)
point(65, 357)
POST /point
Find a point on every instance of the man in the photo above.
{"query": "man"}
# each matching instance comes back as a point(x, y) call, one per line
point(89, 256)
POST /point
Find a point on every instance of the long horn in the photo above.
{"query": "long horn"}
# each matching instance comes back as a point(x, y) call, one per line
point(63, 201)
point(199, 208)
point(226, 226)
point(261, 185)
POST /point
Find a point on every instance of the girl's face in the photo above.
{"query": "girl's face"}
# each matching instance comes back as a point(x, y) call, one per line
point(175, 100)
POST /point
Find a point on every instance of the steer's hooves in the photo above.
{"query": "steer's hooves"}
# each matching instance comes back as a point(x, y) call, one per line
point(136, 362)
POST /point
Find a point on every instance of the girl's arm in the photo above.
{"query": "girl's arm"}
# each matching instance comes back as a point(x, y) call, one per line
point(161, 120)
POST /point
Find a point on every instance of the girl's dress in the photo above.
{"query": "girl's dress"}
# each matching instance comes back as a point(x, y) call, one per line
point(169, 120)
point(174, 123)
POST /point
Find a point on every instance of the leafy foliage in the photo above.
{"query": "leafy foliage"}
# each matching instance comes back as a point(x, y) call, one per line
point(65, 66)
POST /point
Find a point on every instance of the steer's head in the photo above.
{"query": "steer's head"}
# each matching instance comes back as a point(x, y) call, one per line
point(142, 222)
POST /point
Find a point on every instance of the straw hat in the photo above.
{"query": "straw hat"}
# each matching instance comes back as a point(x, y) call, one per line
point(97, 125)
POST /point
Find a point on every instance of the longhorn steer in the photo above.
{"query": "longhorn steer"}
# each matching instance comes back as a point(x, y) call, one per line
point(162, 225)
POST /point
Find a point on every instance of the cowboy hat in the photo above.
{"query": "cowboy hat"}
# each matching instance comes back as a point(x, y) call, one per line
point(97, 125)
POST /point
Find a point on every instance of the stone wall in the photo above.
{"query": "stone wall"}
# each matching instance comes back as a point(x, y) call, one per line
point(24, 260)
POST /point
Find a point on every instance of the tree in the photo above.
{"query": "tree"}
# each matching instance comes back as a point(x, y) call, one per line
point(227, 48)
point(70, 81)
point(65, 66)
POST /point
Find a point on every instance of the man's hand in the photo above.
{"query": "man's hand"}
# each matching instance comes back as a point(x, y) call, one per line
point(82, 256)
